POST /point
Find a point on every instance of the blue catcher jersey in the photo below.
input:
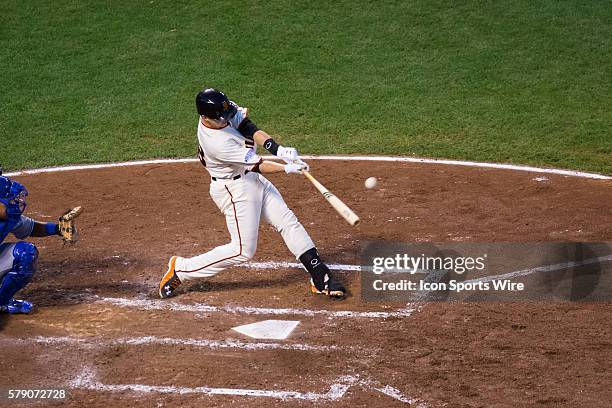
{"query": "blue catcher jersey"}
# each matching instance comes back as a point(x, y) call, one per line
point(12, 197)
point(21, 227)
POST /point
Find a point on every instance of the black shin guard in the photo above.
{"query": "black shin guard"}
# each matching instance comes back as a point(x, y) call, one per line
point(315, 266)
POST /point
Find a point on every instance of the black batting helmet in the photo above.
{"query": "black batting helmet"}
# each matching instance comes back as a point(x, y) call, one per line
point(214, 105)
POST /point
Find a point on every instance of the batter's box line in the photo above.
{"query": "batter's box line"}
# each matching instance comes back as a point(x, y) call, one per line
point(95, 343)
point(88, 380)
point(151, 304)
point(295, 265)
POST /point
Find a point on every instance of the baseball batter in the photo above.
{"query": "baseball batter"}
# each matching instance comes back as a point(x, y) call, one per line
point(18, 259)
point(228, 142)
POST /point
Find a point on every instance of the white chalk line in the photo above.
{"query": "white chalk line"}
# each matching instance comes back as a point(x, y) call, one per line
point(153, 304)
point(392, 392)
point(395, 393)
point(333, 267)
point(284, 264)
point(532, 169)
point(87, 379)
point(545, 268)
point(508, 275)
point(86, 342)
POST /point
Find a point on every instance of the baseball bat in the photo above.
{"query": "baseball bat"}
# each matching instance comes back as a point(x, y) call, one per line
point(335, 202)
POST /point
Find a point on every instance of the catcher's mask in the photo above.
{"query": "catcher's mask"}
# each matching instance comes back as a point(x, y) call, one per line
point(13, 196)
point(213, 104)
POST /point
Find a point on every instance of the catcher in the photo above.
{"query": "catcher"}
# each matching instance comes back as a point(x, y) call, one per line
point(18, 259)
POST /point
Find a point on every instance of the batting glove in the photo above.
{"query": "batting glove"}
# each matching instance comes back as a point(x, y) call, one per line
point(292, 168)
point(303, 163)
point(288, 154)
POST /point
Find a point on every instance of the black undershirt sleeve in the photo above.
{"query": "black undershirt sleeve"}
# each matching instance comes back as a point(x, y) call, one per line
point(247, 128)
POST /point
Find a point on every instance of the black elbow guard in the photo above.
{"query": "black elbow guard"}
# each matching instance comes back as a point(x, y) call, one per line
point(247, 128)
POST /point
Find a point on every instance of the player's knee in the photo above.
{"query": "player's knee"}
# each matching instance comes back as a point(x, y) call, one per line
point(245, 251)
point(25, 252)
point(248, 252)
point(289, 223)
point(25, 255)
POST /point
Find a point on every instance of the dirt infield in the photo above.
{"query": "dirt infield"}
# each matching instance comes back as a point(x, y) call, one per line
point(100, 330)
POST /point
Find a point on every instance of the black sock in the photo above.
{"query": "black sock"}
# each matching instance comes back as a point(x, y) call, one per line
point(315, 266)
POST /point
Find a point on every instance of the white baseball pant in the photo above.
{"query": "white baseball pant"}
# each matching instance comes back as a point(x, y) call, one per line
point(243, 202)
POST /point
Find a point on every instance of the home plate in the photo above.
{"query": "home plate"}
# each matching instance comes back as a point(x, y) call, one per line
point(268, 329)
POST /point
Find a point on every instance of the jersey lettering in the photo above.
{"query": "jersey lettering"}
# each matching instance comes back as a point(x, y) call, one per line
point(249, 156)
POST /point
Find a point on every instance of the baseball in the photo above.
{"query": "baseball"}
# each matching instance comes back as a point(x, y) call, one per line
point(371, 182)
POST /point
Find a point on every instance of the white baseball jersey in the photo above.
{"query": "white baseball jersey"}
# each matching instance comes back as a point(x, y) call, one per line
point(243, 200)
point(225, 152)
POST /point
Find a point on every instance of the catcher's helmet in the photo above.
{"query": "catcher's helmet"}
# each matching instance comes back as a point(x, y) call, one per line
point(214, 105)
point(13, 196)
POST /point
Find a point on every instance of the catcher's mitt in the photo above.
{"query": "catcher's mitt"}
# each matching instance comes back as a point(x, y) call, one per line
point(67, 229)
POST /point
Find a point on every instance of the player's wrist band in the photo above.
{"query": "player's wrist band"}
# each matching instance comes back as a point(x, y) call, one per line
point(51, 228)
point(271, 146)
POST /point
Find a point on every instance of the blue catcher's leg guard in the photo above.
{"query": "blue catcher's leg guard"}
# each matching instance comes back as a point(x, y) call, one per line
point(25, 255)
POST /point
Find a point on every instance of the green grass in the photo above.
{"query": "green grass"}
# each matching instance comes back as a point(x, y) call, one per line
point(503, 81)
